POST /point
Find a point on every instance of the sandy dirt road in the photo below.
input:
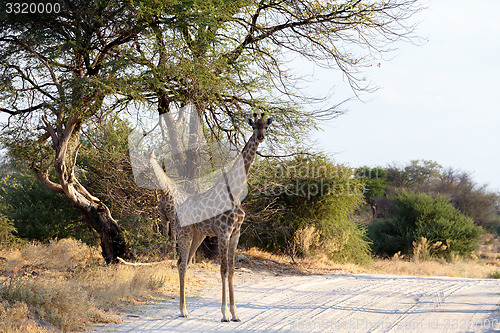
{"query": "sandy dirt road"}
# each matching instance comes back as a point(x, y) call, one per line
point(332, 303)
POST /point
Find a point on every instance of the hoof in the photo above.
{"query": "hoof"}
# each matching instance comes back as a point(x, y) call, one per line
point(225, 320)
point(236, 320)
point(183, 316)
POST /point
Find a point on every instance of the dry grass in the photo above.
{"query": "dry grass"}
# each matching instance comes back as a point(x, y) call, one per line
point(466, 268)
point(67, 284)
point(484, 263)
point(14, 319)
point(307, 240)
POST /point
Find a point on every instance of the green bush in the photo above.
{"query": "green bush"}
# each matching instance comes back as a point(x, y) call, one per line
point(496, 229)
point(8, 238)
point(38, 213)
point(305, 206)
point(419, 216)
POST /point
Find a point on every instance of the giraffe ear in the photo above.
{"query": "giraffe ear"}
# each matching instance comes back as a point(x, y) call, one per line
point(269, 120)
point(250, 122)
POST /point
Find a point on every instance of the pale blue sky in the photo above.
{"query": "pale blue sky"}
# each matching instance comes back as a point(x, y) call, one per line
point(438, 101)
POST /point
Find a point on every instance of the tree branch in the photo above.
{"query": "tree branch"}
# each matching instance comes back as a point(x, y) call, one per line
point(52, 133)
point(44, 179)
point(53, 75)
point(27, 110)
point(34, 85)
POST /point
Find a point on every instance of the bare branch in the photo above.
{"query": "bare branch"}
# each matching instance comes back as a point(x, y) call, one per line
point(146, 263)
point(22, 111)
point(50, 130)
point(44, 179)
point(53, 75)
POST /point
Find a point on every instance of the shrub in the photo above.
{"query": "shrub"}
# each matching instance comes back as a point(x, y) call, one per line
point(419, 216)
point(305, 206)
point(38, 213)
point(7, 233)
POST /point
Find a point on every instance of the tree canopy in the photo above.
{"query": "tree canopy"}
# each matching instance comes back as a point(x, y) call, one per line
point(60, 72)
point(231, 58)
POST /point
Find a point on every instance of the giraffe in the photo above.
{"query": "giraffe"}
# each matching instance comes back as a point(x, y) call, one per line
point(216, 212)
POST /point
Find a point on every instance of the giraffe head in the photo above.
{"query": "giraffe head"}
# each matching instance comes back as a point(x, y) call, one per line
point(259, 126)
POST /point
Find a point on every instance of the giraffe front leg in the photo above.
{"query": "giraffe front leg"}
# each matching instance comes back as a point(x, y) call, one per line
point(233, 243)
point(223, 253)
point(182, 267)
point(182, 295)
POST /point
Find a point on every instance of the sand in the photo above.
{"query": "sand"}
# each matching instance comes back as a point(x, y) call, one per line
point(330, 303)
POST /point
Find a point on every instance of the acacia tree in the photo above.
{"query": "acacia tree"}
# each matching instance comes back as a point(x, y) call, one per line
point(55, 73)
point(229, 59)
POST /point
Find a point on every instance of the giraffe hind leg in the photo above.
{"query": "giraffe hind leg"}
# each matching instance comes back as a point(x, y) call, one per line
point(232, 248)
point(198, 238)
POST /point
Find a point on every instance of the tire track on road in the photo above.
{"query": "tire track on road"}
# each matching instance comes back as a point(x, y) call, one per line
point(333, 303)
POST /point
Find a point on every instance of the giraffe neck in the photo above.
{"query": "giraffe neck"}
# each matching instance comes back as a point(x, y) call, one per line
point(248, 153)
point(237, 176)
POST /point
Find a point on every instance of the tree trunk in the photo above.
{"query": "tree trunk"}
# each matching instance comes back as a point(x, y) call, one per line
point(96, 213)
point(97, 216)
point(373, 206)
point(113, 243)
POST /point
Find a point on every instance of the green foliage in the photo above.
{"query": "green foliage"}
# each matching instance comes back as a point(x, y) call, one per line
point(37, 213)
point(375, 180)
point(496, 228)
point(419, 216)
point(8, 237)
point(418, 176)
point(421, 174)
point(429, 177)
point(387, 237)
point(305, 206)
